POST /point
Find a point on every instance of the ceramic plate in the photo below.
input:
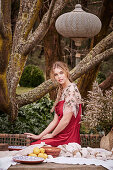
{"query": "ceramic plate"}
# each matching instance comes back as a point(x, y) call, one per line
point(12, 148)
point(28, 159)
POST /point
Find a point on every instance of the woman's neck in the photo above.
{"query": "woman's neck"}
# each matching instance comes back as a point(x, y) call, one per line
point(66, 84)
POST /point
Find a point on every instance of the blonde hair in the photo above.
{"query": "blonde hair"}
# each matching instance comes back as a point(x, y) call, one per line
point(64, 67)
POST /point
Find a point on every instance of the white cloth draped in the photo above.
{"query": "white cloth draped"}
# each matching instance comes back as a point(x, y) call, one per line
point(86, 156)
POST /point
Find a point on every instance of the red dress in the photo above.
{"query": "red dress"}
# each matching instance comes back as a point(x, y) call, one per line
point(69, 134)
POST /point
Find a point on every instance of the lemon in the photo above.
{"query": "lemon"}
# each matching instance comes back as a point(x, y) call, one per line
point(36, 150)
point(42, 150)
point(32, 154)
point(45, 155)
point(42, 155)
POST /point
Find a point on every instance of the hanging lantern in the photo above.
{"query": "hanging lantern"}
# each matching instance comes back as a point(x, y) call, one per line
point(78, 57)
point(78, 25)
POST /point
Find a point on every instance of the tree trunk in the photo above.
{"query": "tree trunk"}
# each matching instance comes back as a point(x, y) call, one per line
point(86, 81)
point(52, 52)
point(5, 49)
point(27, 15)
point(13, 55)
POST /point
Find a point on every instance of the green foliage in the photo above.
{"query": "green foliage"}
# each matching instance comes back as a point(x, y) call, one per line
point(84, 128)
point(32, 76)
point(100, 77)
point(33, 118)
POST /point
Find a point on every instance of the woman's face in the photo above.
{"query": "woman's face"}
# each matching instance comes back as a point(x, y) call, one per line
point(60, 76)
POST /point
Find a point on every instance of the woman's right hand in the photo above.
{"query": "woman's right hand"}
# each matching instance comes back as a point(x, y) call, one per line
point(32, 136)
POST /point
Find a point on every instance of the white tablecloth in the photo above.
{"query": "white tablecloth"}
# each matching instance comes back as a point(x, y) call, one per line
point(82, 161)
point(6, 162)
point(66, 156)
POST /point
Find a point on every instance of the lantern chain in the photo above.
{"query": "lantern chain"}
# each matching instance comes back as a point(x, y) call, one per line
point(78, 1)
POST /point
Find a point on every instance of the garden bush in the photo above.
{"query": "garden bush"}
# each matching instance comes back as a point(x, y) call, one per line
point(32, 118)
point(100, 77)
point(99, 109)
point(32, 76)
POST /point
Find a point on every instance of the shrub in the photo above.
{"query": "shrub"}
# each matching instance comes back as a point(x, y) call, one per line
point(99, 109)
point(100, 77)
point(33, 118)
point(32, 76)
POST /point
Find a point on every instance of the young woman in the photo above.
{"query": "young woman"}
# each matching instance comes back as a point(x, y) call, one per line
point(65, 126)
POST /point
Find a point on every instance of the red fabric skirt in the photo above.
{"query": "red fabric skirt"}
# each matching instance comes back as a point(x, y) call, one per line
point(69, 134)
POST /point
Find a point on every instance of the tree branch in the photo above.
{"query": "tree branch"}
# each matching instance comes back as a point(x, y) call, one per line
point(26, 18)
point(83, 67)
point(89, 62)
point(18, 59)
point(34, 11)
point(42, 29)
point(37, 93)
point(102, 45)
point(107, 83)
point(50, 11)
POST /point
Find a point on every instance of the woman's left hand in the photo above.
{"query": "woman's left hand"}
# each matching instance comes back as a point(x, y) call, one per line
point(47, 136)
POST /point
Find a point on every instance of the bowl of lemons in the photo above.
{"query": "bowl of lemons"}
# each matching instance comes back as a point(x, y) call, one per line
point(39, 152)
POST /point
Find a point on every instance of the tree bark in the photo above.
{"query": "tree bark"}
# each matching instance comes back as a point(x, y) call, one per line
point(52, 49)
point(105, 16)
point(26, 17)
point(42, 29)
point(23, 42)
point(5, 48)
point(52, 52)
point(86, 81)
point(106, 84)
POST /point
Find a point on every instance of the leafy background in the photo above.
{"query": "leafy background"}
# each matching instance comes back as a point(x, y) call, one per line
point(32, 118)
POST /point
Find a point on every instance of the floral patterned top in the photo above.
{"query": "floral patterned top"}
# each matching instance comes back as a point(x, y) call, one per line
point(72, 98)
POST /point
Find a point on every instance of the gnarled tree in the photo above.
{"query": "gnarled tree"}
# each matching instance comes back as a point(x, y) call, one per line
point(14, 51)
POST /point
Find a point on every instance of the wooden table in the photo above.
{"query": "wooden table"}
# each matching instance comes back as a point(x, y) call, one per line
point(48, 166)
point(54, 166)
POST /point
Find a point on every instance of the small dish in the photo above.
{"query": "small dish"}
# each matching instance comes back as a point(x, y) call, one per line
point(17, 148)
point(54, 151)
point(28, 159)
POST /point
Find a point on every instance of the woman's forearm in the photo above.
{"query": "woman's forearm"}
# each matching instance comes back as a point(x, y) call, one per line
point(50, 127)
point(61, 126)
point(63, 123)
